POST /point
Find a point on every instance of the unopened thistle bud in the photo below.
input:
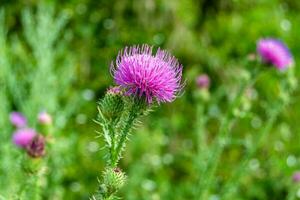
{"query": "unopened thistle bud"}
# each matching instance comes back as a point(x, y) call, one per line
point(113, 179)
point(36, 148)
point(203, 81)
point(44, 118)
point(112, 104)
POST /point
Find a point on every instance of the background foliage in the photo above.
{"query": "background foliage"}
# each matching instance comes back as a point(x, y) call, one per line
point(68, 74)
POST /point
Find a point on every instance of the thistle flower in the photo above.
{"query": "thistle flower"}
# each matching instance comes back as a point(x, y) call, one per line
point(153, 76)
point(203, 81)
point(18, 119)
point(44, 118)
point(274, 52)
point(23, 137)
point(36, 148)
point(296, 177)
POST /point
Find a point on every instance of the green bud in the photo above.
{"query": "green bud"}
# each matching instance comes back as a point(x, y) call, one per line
point(113, 179)
point(112, 105)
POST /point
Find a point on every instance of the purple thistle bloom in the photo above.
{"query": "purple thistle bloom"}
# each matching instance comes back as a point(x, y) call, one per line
point(274, 52)
point(296, 177)
point(203, 81)
point(153, 76)
point(23, 137)
point(44, 118)
point(17, 119)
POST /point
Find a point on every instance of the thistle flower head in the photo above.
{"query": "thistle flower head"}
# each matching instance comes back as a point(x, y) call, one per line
point(44, 118)
point(18, 119)
point(274, 52)
point(36, 148)
point(152, 76)
point(23, 137)
point(203, 81)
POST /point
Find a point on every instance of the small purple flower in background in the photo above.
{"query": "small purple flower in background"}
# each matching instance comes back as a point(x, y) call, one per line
point(18, 120)
point(44, 118)
point(36, 148)
point(22, 137)
point(274, 52)
point(203, 81)
point(296, 177)
point(153, 76)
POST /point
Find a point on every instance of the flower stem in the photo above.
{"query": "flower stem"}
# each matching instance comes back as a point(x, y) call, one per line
point(218, 147)
point(222, 137)
point(292, 192)
point(124, 134)
point(231, 186)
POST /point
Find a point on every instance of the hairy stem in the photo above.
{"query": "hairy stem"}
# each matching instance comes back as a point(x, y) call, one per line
point(124, 134)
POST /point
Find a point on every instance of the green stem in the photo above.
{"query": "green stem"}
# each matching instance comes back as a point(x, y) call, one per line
point(231, 186)
point(201, 142)
point(222, 138)
point(218, 147)
point(201, 120)
point(292, 192)
point(123, 136)
point(112, 148)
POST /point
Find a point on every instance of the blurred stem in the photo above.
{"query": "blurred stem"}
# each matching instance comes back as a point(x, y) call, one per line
point(200, 130)
point(222, 137)
point(201, 139)
point(218, 147)
point(292, 192)
point(30, 187)
point(230, 187)
point(232, 184)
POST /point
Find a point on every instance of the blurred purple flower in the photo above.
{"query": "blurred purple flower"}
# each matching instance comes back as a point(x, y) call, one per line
point(155, 77)
point(22, 137)
point(203, 81)
point(36, 148)
point(18, 120)
point(296, 177)
point(44, 118)
point(274, 52)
